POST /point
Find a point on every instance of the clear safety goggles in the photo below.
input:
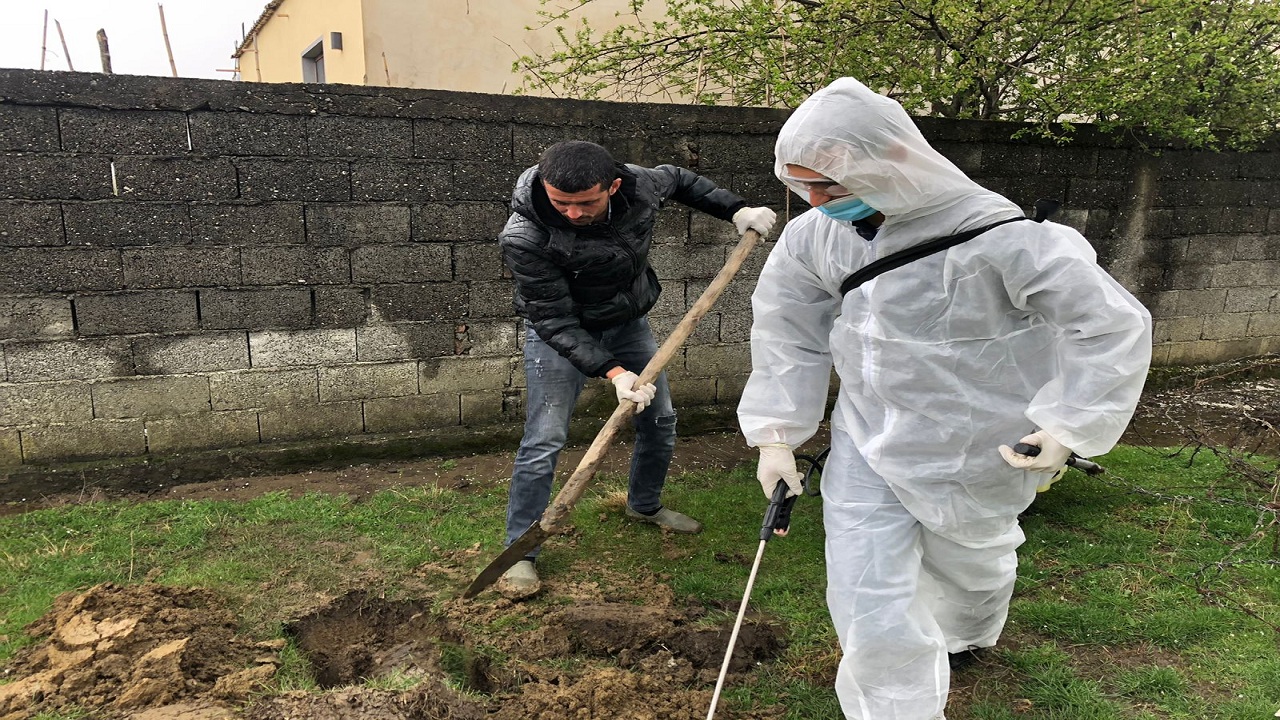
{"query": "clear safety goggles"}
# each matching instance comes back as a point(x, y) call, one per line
point(804, 186)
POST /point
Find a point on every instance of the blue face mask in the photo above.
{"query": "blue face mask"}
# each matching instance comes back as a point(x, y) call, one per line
point(847, 209)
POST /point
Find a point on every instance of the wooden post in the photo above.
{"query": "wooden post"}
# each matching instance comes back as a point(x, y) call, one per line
point(65, 51)
point(165, 31)
point(44, 39)
point(103, 51)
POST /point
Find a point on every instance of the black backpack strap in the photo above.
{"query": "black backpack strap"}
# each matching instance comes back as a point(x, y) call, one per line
point(1044, 208)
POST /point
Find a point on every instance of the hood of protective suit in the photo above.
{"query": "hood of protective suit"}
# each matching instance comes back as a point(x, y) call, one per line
point(869, 144)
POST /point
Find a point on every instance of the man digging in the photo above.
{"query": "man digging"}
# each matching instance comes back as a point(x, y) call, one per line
point(577, 245)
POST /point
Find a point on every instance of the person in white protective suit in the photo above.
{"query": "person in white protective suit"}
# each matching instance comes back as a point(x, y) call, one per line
point(1016, 335)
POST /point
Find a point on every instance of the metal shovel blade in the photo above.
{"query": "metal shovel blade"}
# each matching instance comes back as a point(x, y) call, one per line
point(515, 552)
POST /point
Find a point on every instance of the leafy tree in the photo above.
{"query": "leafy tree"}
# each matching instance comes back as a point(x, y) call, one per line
point(1206, 72)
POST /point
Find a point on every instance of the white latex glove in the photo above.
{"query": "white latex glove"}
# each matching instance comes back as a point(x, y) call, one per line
point(777, 463)
point(759, 219)
point(624, 384)
point(1053, 454)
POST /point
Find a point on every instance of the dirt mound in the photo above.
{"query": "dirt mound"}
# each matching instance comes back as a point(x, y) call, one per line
point(429, 701)
point(124, 649)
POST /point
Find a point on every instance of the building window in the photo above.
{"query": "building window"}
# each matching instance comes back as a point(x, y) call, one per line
point(313, 63)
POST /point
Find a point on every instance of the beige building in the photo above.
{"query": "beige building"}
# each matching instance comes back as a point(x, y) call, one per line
point(465, 45)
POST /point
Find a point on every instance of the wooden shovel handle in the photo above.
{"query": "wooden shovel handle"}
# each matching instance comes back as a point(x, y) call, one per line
point(586, 470)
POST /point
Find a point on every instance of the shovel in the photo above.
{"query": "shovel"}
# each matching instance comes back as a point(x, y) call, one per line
point(577, 483)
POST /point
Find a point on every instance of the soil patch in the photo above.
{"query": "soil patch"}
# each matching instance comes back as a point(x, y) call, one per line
point(121, 649)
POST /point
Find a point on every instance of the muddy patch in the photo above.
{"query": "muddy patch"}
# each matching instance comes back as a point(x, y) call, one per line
point(121, 650)
point(611, 647)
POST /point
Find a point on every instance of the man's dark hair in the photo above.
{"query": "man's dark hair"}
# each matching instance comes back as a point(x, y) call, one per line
point(576, 165)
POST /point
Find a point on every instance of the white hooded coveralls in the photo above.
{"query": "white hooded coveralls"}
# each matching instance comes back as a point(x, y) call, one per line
point(940, 362)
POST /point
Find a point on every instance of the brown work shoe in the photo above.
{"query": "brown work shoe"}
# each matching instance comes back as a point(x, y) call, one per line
point(669, 519)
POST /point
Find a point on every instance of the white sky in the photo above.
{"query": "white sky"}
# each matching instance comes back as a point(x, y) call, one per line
point(202, 33)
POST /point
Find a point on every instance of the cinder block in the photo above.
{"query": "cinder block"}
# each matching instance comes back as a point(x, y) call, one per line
point(735, 295)
point(478, 339)
point(453, 140)
point(25, 223)
point(291, 265)
point(303, 422)
point(479, 261)
point(729, 388)
point(464, 374)
point(1245, 273)
point(687, 261)
point(355, 224)
point(183, 178)
point(1244, 220)
point(1201, 302)
point(707, 230)
point(459, 222)
point(693, 391)
point(1178, 329)
point(718, 151)
point(1273, 221)
point(136, 312)
point(400, 180)
point(39, 403)
point(84, 441)
point(1264, 324)
point(1191, 277)
point(348, 136)
point(672, 300)
point(402, 341)
point(206, 431)
point(490, 300)
point(483, 182)
point(706, 332)
point(483, 408)
point(10, 447)
point(132, 132)
point(28, 128)
point(529, 140)
point(401, 263)
point(256, 309)
point(1257, 247)
point(716, 360)
point(277, 348)
point(180, 354)
point(127, 223)
point(1225, 326)
point(340, 306)
point(54, 177)
point(414, 412)
point(22, 318)
point(151, 397)
point(359, 382)
point(159, 267)
point(262, 389)
point(1250, 299)
point(735, 326)
point(242, 133)
point(1211, 249)
point(252, 224)
point(36, 270)
point(426, 301)
point(1016, 160)
point(69, 360)
point(308, 180)
point(672, 225)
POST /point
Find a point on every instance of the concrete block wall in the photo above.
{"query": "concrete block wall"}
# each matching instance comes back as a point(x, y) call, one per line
point(189, 265)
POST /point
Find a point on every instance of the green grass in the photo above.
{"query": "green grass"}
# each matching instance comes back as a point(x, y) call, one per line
point(1150, 592)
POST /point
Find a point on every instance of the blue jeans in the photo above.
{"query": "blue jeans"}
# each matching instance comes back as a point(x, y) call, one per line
point(553, 387)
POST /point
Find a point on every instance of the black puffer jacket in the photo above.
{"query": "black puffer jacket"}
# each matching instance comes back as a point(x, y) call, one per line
point(572, 280)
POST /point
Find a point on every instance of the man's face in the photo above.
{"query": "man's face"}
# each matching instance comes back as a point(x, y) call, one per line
point(585, 207)
point(819, 188)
